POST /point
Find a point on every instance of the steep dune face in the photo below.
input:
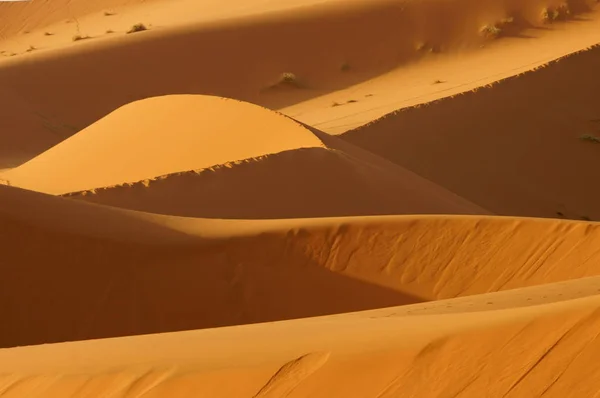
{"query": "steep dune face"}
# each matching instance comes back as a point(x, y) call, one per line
point(258, 164)
point(327, 47)
point(101, 278)
point(518, 147)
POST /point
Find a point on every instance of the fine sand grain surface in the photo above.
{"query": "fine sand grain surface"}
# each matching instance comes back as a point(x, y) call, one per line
point(299, 198)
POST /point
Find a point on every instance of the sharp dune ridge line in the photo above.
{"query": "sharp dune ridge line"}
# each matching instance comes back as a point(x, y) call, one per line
point(251, 66)
point(491, 85)
point(258, 271)
point(542, 183)
point(172, 134)
point(300, 198)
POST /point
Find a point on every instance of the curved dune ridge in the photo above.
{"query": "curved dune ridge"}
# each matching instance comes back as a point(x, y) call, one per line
point(531, 138)
point(110, 272)
point(186, 155)
point(158, 136)
point(242, 53)
point(177, 217)
point(451, 355)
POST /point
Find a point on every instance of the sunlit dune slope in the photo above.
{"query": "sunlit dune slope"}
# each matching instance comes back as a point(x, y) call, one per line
point(158, 136)
point(73, 270)
point(249, 162)
point(524, 146)
point(241, 54)
point(26, 16)
point(351, 355)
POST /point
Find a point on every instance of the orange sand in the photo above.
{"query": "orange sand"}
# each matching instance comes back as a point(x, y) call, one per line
point(159, 239)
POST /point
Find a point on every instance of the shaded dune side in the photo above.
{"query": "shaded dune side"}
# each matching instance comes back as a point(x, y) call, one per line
point(310, 182)
point(515, 148)
point(62, 285)
point(310, 42)
point(450, 356)
point(142, 151)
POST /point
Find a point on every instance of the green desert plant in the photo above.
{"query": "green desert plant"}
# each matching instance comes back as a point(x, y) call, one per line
point(138, 27)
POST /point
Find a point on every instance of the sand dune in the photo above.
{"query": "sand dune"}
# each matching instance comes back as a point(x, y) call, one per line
point(160, 239)
point(514, 148)
point(158, 136)
point(106, 275)
point(454, 355)
point(185, 155)
point(243, 53)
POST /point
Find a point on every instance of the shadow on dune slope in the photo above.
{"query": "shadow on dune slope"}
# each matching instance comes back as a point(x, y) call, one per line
point(309, 182)
point(327, 47)
point(81, 281)
point(88, 282)
point(515, 148)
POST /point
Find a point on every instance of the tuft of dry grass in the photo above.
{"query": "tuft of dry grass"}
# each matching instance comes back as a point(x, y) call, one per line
point(288, 77)
point(491, 31)
point(590, 138)
point(550, 14)
point(495, 30)
point(80, 37)
point(138, 27)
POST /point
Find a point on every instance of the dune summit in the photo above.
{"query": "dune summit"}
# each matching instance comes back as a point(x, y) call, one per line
point(158, 136)
point(186, 155)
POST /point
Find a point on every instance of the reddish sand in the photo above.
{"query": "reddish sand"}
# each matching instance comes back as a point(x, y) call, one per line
point(355, 221)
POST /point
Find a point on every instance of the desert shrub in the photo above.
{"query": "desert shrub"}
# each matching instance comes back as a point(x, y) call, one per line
point(138, 27)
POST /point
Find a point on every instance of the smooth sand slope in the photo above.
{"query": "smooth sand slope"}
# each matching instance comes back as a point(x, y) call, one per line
point(109, 272)
point(514, 148)
point(212, 157)
point(259, 292)
point(374, 354)
point(158, 136)
point(243, 53)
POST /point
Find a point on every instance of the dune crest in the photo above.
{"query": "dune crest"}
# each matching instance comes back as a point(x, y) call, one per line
point(530, 161)
point(255, 271)
point(299, 198)
point(158, 136)
point(260, 164)
point(191, 56)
